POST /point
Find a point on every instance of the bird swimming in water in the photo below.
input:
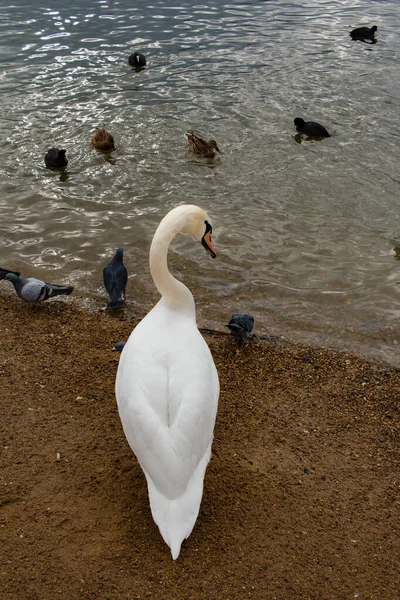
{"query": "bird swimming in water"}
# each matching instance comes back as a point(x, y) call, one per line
point(55, 159)
point(35, 290)
point(138, 60)
point(310, 128)
point(4, 272)
point(241, 326)
point(115, 277)
point(199, 146)
point(364, 33)
point(102, 140)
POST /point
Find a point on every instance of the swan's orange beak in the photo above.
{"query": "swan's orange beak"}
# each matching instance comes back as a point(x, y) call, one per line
point(207, 243)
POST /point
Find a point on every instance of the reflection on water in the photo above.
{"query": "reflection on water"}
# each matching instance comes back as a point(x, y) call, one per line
point(304, 232)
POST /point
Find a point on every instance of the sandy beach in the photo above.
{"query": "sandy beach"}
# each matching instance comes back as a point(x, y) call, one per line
point(300, 498)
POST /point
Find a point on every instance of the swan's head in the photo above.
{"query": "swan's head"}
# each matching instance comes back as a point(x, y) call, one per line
point(191, 219)
point(198, 224)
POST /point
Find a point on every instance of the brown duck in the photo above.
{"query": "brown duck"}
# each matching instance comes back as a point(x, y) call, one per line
point(102, 140)
point(200, 146)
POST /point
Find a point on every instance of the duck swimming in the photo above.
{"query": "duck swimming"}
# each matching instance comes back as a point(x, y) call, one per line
point(137, 59)
point(364, 33)
point(55, 159)
point(102, 140)
point(167, 388)
point(311, 128)
point(199, 146)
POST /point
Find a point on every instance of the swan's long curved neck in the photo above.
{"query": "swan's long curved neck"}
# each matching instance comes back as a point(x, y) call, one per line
point(175, 293)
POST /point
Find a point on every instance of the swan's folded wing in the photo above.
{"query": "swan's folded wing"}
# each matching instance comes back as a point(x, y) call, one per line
point(168, 417)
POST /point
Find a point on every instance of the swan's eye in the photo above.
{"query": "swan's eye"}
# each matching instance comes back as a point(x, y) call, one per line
point(208, 227)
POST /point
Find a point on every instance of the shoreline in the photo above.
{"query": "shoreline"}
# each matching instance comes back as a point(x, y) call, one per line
point(368, 343)
point(300, 497)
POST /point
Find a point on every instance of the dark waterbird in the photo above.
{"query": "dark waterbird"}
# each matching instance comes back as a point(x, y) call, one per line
point(241, 326)
point(311, 128)
point(55, 159)
point(35, 290)
point(115, 278)
point(118, 347)
point(102, 140)
point(199, 146)
point(137, 59)
point(4, 272)
point(364, 33)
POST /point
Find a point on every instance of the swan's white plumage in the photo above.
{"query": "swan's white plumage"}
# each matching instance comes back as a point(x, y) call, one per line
point(167, 391)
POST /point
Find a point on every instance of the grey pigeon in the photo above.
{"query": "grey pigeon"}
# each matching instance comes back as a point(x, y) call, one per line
point(241, 326)
point(118, 347)
point(311, 128)
point(4, 272)
point(35, 290)
point(137, 59)
point(55, 159)
point(364, 33)
point(115, 278)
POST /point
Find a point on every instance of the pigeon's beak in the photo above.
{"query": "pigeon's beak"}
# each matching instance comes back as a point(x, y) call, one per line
point(207, 243)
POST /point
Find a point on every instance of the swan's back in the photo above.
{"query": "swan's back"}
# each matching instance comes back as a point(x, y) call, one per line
point(167, 391)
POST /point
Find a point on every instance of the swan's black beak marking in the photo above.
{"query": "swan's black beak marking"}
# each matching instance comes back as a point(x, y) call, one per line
point(206, 240)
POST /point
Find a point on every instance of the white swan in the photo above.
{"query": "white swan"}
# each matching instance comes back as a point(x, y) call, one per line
point(167, 388)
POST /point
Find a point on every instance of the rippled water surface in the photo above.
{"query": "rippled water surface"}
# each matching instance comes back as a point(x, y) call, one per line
point(306, 233)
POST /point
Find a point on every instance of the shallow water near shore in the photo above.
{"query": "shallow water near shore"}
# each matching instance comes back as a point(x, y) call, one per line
point(306, 234)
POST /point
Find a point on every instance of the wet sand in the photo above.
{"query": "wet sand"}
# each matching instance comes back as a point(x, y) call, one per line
point(300, 498)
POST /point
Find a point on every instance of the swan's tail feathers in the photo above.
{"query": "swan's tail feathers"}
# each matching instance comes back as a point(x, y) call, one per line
point(176, 517)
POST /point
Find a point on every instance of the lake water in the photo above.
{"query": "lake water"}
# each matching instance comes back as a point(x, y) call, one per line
point(306, 233)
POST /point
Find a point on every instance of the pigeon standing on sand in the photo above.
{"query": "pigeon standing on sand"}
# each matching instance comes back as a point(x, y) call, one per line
point(35, 290)
point(115, 278)
point(241, 326)
point(4, 272)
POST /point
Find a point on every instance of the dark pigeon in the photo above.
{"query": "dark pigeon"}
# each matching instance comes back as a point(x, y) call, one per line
point(311, 128)
point(35, 290)
point(115, 278)
point(118, 347)
point(4, 272)
point(55, 159)
point(364, 33)
point(241, 326)
point(137, 59)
